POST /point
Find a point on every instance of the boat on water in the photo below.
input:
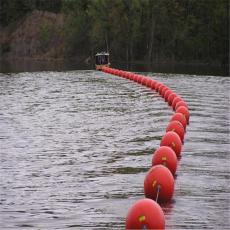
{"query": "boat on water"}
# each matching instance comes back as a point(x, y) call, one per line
point(102, 60)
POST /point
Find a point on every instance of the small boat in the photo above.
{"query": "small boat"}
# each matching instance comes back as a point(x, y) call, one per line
point(101, 60)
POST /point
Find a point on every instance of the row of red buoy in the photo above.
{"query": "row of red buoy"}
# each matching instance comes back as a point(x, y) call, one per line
point(159, 181)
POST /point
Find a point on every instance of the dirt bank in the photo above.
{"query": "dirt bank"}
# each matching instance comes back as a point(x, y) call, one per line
point(39, 35)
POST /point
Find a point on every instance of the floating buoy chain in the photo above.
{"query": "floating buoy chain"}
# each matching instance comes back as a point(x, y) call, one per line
point(159, 181)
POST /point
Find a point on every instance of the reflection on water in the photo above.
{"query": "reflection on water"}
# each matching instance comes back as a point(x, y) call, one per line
point(75, 148)
point(31, 65)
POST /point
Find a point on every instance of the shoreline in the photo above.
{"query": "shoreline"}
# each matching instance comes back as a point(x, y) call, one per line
point(27, 64)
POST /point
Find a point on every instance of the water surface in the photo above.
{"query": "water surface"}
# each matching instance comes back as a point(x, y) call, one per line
point(75, 148)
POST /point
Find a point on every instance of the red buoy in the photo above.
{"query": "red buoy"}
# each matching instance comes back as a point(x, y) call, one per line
point(144, 80)
point(127, 76)
point(164, 155)
point(175, 101)
point(121, 73)
point(159, 184)
point(163, 91)
point(124, 74)
point(153, 84)
point(172, 140)
point(181, 103)
point(116, 71)
point(139, 79)
point(149, 82)
point(176, 127)
point(131, 76)
point(135, 77)
point(184, 110)
point(167, 93)
point(171, 97)
point(181, 118)
point(145, 214)
point(158, 86)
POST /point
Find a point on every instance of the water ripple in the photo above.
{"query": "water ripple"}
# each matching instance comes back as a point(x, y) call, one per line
point(75, 147)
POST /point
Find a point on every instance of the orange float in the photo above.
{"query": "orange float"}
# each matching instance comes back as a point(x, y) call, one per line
point(171, 98)
point(149, 82)
point(131, 76)
point(167, 93)
point(139, 79)
point(160, 88)
point(162, 91)
point(115, 72)
point(127, 75)
point(134, 77)
point(159, 184)
point(121, 73)
point(175, 101)
point(164, 155)
point(176, 127)
point(181, 118)
point(153, 84)
point(145, 214)
point(172, 140)
point(181, 103)
point(144, 80)
point(184, 110)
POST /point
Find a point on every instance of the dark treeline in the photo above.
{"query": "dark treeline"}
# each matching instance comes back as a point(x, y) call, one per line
point(137, 30)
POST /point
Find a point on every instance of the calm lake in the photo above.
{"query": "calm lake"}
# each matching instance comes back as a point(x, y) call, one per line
point(75, 147)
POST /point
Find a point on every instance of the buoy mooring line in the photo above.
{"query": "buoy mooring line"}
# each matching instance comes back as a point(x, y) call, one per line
point(159, 181)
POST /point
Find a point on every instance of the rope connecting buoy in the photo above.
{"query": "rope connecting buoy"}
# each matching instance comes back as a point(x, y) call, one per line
point(159, 181)
point(145, 214)
point(159, 184)
point(176, 127)
point(164, 155)
point(172, 140)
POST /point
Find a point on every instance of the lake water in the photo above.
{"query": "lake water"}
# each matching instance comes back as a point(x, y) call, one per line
point(75, 148)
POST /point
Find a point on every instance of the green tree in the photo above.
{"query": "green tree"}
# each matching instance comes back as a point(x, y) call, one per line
point(77, 26)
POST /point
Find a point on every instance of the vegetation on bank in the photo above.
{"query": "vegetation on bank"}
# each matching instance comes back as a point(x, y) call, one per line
point(131, 30)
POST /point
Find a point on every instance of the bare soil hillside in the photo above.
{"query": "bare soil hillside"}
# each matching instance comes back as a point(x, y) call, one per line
point(39, 35)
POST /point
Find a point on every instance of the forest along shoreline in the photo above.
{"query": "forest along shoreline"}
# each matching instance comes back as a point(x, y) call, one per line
point(164, 36)
point(38, 36)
